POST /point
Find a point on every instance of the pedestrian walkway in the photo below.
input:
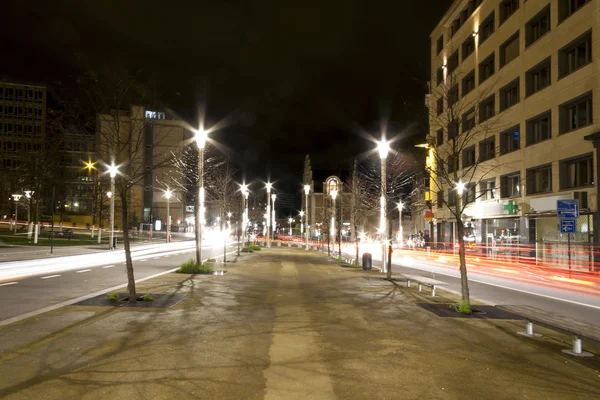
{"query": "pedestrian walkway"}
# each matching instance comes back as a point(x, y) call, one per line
point(282, 324)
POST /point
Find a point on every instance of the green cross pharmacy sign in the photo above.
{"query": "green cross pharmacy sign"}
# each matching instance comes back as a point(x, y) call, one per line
point(511, 207)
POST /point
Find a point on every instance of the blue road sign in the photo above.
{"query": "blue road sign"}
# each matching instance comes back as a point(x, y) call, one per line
point(568, 226)
point(567, 209)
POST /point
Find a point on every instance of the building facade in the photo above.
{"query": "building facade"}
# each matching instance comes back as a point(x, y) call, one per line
point(22, 135)
point(529, 67)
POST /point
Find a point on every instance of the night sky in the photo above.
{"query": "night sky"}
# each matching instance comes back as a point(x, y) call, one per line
point(290, 78)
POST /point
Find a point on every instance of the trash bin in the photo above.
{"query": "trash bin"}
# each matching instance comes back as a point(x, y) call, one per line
point(114, 242)
point(367, 261)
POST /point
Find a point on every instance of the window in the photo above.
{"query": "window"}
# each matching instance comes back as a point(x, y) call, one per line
point(487, 108)
point(510, 185)
point(508, 8)
point(468, 47)
point(9, 92)
point(468, 157)
point(440, 75)
point(576, 172)
point(453, 96)
point(452, 163)
point(453, 62)
point(440, 44)
point(487, 189)
point(575, 55)
point(539, 179)
point(1, 93)
point(509, 50)
point(537, 26)
point(539, 128)
point(575, 114)
point(452, 129)
point(439, 137)
point(439, 105)
point(487, 149)
point(470, 194)
point(468, 120)
point(566, 8)
point(510, 140)
point(468, 83)
point(486, 68)
point(487, 28)
point(538, 77)
point(451, 197)
point(440, 199)
point(509, 95)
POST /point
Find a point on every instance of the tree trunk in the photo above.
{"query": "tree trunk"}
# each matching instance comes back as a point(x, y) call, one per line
point(126, 245)
point(464, 281)
point(198, 226)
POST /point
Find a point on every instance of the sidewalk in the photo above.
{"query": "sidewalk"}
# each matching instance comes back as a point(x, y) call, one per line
point(283, 323)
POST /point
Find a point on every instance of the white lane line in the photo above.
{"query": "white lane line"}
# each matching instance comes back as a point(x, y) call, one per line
point(49, 276)
point(155, 258)
point(83, 270)
point(145, 259)
point(8, 283)
point(108, 266)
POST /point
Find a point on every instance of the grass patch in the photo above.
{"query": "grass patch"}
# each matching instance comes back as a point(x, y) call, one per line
point(113, 295)
point(247, 250)
point(255, 247)
point(148, 297)
point(191, 267)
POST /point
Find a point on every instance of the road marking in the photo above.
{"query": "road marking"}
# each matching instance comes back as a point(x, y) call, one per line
point(83, 270)
point(156, 258)
point(108, 266)
point(145, 259)
point(8, 283)
point(49, 276)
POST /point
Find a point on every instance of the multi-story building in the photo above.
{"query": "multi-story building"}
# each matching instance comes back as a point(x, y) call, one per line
point(152, 139)
point(22, 133)
point(529, 67)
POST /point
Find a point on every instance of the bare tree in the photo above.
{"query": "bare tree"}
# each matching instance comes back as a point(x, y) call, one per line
point(461, 148)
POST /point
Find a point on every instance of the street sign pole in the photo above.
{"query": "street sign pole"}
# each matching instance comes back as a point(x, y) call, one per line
point(569, 249)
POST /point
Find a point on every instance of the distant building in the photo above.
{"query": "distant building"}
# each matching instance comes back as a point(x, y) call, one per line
point(22, 134)
point(537, 59)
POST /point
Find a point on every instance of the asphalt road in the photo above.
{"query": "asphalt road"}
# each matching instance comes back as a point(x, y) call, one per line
point(33, 286)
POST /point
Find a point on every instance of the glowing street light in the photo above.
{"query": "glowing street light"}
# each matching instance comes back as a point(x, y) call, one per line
point(460, 188)
point(383, 146)
point(168, 194)
point(306, 192)
point(200, 136)
point(112, 172)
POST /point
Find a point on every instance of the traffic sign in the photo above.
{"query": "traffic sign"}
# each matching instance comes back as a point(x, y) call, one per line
point(567, 209)
point(568, 226)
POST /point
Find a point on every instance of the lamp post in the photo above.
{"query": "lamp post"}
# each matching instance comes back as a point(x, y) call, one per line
point(16, 198)
point(28, 196)
point(273, 198)
point(301, 223)
point(460, 189)
point(306, 192)
point(384, 147)
point(200, 135)
point(168, 195)
point(268, 217)
point(400, 227)
point(245, 219)
point(112, 171)
point(333, 197)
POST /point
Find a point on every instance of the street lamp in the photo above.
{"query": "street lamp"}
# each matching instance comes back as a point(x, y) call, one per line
point(273, 198)
point(16, 198)
point(400, 230)
point(301, 223)
point(245, 193)
point(168, 194)
point(306, 192)
point(269, 186)
point(383, 147)
point(200, 136)
point(333, 196)
point(112, 171)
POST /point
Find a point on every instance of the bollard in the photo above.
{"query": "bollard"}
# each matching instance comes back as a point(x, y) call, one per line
point(428, 250)
point(36, 233)
point(529, 330)
point(92, 231)
point(99, 235)
point(29, 230)
point(408, 283)
point(433, 291)
point(576, 345)
point(420, 287)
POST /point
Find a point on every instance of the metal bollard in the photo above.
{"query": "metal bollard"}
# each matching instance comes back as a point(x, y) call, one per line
point(529, 330)
point(576, 345)
point(433, 291)
point(408, 283)
point(420, 287)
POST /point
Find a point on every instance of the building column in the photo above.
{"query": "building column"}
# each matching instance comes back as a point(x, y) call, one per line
point(595, 138)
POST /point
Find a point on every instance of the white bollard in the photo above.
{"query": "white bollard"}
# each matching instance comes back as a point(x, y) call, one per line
point(36, 234)
point(408, 283)
point(420, 287)
point(529, 328)
point(99, 235)
point(576, 345)
point(93, 231)
point(433, 291)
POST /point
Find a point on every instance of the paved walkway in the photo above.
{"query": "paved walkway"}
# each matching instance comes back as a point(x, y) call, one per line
point(283, 324)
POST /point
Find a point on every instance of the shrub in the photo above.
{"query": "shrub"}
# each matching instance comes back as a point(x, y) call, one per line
point(191, 267)
point(464, 308)
point(148, 297)
point(247, 250)
point(113, 295)
point(255, 247)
